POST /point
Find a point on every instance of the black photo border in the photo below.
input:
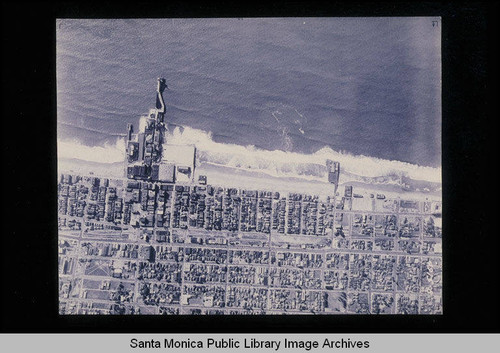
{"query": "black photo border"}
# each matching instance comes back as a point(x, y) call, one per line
point(29, 294)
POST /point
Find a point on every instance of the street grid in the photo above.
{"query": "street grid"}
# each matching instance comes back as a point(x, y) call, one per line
point(74, 301)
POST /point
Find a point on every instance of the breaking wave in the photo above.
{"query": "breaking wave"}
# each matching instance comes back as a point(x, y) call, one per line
point(277, 163)
point(109, 153)
point(294, 164)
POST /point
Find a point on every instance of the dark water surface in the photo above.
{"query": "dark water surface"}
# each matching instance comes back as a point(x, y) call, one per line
point(365, 86)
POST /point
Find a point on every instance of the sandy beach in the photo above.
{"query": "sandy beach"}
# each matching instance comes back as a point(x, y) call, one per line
point(246, 179)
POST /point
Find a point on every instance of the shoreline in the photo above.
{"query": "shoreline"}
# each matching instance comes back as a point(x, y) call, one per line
point(218, 175)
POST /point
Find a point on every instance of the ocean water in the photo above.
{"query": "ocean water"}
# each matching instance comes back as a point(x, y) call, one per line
point(279, 95)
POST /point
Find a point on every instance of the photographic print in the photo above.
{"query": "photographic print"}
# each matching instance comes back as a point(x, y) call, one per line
point(249, 166)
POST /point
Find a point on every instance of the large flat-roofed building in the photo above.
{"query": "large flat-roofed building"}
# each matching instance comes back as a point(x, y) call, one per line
point(184, 159)
point(166, 172)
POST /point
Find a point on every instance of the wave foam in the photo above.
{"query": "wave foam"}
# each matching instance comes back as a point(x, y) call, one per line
point(283, 163)
point(108, 153)
point(277, 163)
